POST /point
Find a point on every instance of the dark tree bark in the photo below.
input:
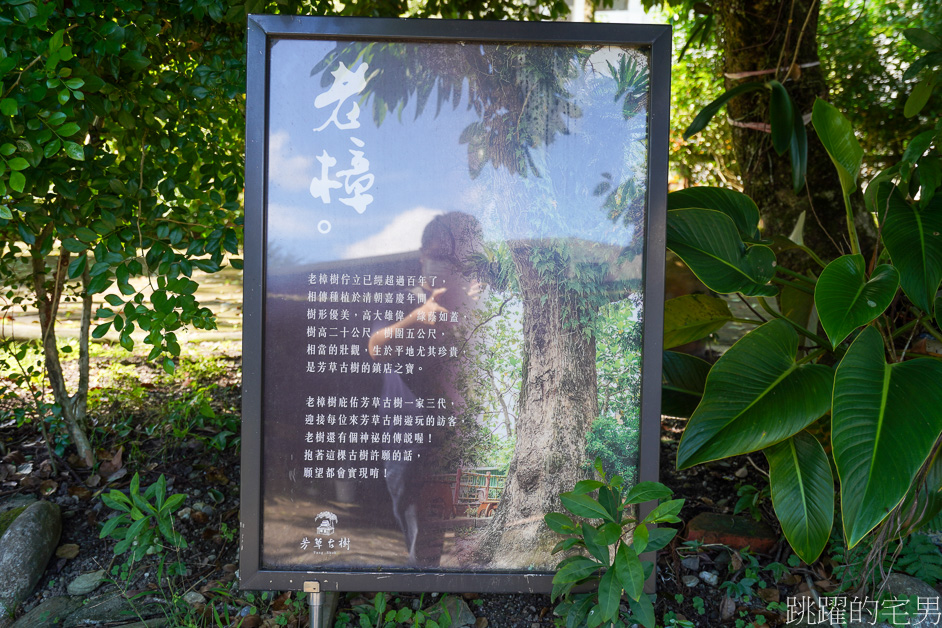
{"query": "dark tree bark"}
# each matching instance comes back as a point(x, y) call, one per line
point(558, 402)
point(762, 40)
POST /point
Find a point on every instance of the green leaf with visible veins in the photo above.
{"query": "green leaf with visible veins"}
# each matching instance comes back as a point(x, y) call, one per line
point(884, 422)
point(755, 396)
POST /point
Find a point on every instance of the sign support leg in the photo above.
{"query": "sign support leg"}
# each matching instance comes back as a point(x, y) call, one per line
point(314, 601)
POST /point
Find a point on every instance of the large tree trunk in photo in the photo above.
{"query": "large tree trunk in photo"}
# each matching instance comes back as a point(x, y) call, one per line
point(760, 36)
point(558, 401)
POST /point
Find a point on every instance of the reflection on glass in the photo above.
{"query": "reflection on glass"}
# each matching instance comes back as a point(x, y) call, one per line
point(453, 297)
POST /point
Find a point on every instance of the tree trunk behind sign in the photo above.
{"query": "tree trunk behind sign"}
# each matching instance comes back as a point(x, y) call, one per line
point(557, 404)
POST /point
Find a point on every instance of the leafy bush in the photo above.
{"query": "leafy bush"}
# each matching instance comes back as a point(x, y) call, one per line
point(613, 567)
point(836, 343)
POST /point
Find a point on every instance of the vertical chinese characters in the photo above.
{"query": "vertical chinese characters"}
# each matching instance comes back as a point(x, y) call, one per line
point(357, 179)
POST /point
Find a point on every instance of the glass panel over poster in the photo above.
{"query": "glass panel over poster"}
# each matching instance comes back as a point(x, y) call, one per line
point(454, 296)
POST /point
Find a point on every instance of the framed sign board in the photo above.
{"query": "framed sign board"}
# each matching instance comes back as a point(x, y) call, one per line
point(454, 257)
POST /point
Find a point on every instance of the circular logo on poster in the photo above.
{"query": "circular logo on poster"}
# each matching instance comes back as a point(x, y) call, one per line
point(326, 521)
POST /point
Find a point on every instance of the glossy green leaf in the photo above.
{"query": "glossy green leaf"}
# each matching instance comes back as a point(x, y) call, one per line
point(18, 163)
point(666, 512)
point(17, 181)
point(798, 151)
point(739, 207)
point(706, 114)
point(692, 317)
point(5, 213)
point(918, 98)
point(682, 379)
point(883, 424)
point(659, 538)
point(781, 117)
point(565, 544)
point(587, 486)
point(609, 533)
point(837, 136)
point(591, 538)
point(559, 523)
point(630, 573)
point(923, 501)
point(755, 396)
point(609, 595)
point(641, 535)
point(584, 506)
point(576, 570)
point(922, 38)
point(136, 60)
point(8, 107)
point(643, 610)
point(74, 151)
point(647, 491)
point(845, 298)
point(913, 237)
point(802, 493)
point(709, 243)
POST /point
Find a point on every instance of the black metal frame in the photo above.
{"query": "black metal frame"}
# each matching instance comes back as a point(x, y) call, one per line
point(261, 30)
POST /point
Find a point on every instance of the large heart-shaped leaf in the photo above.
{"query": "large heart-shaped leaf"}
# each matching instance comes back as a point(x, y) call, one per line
point(739, 207)
point(913, 236)
point(837, 136)
point(846, 299)
point(683, 378)
point(802, 493)
point(692, 317)
point(709, 243)
point(883, 424)
point(755, 396)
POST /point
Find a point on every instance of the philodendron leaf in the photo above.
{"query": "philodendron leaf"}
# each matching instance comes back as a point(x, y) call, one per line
point(682, 379)
point(755, 396)
point(883, 424)
point(739, 207)
point(913, 237)
point(692, 317)
point(709, 243)
point(802, 493)
point(706, 114)
point(781, 117)
point(845, 298)
point(798, 151)
point(837, 136)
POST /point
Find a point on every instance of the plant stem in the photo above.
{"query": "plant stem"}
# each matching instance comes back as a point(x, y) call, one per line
point(789, 284)
point(851, 227)
point(747, 321)
point(791, 273)
point(812, 356)
point(801, 330)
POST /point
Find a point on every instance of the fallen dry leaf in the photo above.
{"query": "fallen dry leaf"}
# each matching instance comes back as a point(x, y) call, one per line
point(48, 487)
point(108, 467)
point(77, 490)
point(215, 475)
point(69, 550)
point(769, 595)
point(727, 608)
point(93, 480)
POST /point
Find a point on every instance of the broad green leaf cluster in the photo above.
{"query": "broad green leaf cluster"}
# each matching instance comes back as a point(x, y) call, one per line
point(832, 377)
point(145, 520)
point(609, 552)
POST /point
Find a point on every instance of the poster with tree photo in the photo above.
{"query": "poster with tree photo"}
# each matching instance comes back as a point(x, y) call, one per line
point(456, 240)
